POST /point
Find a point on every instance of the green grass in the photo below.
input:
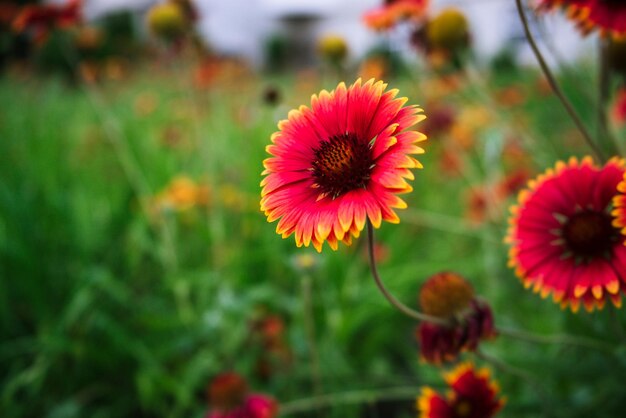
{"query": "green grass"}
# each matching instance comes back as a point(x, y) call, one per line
point(109, 311)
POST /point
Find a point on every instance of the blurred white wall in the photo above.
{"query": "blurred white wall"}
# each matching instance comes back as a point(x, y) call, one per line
point(242, 26)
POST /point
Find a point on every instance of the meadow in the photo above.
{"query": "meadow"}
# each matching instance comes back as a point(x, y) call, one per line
point(123, 291)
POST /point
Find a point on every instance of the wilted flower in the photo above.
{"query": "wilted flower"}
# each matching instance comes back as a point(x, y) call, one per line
point(340, 162)
point(450, 297)
point(562, 238)
point(472, 394)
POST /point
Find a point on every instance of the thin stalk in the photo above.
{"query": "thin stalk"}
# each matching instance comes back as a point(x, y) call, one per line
point(564, 339)
point(411, 313)
point(554, 85)
point(604, 87)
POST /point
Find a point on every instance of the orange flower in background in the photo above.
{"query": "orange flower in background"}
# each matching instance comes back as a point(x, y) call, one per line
point(479, 203)
point(374, 67)
point(41, 19)
point(606, 16)
point(472, 394)
point(182, 194)
point(563, 239)
point(340, 162)
point(206, 73)
point(394, 11)
point(449, 296)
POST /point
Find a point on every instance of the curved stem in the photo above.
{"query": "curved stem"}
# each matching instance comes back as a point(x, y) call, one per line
point(555, 87)
point(564, 339)
point(411, 313)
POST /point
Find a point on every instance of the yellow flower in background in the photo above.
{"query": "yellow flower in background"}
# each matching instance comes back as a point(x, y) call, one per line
point(448, 31)
point(333, 48)
point(166, 21)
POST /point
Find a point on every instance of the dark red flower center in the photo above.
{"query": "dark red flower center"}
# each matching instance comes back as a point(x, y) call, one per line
point(589, 234)
point(342, 164)
point(463, 409)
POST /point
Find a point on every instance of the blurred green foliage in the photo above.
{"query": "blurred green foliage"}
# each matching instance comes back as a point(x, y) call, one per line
point(110, 309)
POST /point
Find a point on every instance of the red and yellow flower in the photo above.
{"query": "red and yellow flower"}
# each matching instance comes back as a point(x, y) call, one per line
point(472, 394)
point(606, 16)
point(41, 19)
point(394, 11)
point(449, 296)
point(339, 163)
point(562, 235)
point(230, 398)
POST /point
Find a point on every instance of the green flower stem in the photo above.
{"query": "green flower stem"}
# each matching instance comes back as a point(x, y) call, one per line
point(411, 313)
point(348, 398)
point(564, 339)
point(554, 85)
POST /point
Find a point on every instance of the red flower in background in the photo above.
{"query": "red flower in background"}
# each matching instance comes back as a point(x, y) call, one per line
point(619, 108)
point(472, 395)
point(562, 238)
point(394, 11)
point(41, 19)
point(607, 16)
point(449, 296)
point(229, 398)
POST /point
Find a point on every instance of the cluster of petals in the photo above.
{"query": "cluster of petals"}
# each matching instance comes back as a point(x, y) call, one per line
point(565, 241)
point(393, 11)
point(466, 319)
point(339, 163)
point(42, 18)
point(230, 398)
point(443, 343)
point(606, 16)
point(619, 208)
point(472, 394)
